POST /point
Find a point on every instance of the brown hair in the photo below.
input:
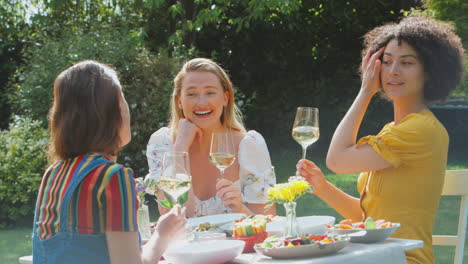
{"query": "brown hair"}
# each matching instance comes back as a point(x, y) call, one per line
point(85, 116)
point(439, 48)
point(231, 117)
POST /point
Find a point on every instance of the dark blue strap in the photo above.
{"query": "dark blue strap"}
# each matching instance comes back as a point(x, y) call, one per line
point(76, 180)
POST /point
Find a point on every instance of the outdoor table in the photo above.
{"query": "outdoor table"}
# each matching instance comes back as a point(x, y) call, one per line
point(389, 251)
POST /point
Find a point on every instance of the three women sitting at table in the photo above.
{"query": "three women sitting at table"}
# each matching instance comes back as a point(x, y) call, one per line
point(86, 210)
point(413, 63)
point(202, 103)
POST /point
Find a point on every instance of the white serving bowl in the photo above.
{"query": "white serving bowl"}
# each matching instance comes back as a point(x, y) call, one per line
point(204, 252)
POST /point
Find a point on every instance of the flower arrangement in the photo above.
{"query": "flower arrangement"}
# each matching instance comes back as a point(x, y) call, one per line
point(143, 187)
point(288, 192)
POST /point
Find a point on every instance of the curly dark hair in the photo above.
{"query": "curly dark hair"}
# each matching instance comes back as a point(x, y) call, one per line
point(437, 45)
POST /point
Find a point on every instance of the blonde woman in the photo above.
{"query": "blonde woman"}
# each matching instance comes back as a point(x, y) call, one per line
point(203, 103)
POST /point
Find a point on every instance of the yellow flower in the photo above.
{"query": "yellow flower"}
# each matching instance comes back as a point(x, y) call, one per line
point(288, 192)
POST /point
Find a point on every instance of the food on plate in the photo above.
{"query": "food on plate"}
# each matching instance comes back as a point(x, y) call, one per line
point(368, 223)
point(251, 225)
point(205, 226)
point(276, 241)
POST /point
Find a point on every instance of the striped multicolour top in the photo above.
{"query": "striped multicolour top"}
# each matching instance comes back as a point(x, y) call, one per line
point(105, 200)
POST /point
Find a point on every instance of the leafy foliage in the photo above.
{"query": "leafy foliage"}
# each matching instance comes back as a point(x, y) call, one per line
point(457, 13)
point(13, 31)
point(22, 162)
point(49, 59)
point(146, 79)
point(280, 54)
point(307, 55)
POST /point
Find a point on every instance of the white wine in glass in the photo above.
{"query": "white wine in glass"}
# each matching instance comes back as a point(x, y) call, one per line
point(306, 127)
point(222, 151)
point(175, 178)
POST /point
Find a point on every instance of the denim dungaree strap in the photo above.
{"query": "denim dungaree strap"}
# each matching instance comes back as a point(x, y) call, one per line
point(67, 247)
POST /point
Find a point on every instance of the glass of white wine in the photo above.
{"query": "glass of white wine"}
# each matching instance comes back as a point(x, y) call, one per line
point(175, 177)
point(222, 151)
point(306, 127)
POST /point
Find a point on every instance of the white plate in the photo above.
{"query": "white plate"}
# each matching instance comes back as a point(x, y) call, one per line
point(218, 219)
point(372, 234)
point(302, 251)
point(204, 252)
point(312, 225)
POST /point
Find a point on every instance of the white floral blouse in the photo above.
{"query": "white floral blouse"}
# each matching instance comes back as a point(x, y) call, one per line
point(256, 174)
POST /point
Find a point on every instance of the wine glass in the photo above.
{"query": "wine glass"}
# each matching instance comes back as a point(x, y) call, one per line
point(222, 151)
point(306, 127)
point(175, 178)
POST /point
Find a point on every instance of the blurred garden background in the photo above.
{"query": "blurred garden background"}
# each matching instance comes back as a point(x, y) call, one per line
point(280, 54)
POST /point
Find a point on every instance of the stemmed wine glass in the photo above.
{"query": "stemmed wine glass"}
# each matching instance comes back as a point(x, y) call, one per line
point(306, 127)
point(222, 151)
point(175, 177)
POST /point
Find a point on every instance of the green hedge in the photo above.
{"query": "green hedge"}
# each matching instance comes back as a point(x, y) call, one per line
point(146, 78)
point(22, 163)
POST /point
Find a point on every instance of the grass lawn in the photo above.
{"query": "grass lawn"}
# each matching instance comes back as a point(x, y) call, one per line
point(17, 242)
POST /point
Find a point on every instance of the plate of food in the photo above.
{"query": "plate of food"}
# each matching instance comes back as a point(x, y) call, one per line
point(314, 224)
point(205, 227)
point(306, 246)
point(229, 227)
point(375, 230)
point(217, 220)
point(204, 252)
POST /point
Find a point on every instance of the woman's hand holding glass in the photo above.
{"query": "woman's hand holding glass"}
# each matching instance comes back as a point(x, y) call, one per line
point(230, 194)
point(172, 225)
point(312, 173)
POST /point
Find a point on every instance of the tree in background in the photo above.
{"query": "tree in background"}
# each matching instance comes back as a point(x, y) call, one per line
point(279, 53)
point(13, 30)
point(457, 13)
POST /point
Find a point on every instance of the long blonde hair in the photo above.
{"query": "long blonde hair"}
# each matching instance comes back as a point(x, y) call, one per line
point(231, 117)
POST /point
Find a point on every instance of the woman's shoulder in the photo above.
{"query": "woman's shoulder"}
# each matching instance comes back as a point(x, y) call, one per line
point(424, 121)
point(252, 141)
point(252, 136)
point(162, 135)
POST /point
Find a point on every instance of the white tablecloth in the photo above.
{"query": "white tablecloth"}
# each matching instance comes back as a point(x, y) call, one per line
point(390, 251)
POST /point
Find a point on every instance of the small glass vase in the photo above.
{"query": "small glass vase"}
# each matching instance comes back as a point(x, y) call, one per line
point(144, 222)
point(292, 227)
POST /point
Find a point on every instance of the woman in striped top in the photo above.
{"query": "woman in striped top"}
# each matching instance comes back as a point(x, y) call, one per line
point(86, 210)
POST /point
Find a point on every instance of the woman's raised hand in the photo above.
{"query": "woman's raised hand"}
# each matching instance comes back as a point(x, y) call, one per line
point(370, 68)
point(312, 174)
point(187, 133)
point(230, 194)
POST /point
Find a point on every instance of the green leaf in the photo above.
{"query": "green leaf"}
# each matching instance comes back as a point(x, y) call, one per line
point(166, 204)
point(168, 197)
point(183, 198)
point(169, 202)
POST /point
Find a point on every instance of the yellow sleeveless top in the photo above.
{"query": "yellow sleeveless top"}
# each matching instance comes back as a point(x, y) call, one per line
point(407, 193)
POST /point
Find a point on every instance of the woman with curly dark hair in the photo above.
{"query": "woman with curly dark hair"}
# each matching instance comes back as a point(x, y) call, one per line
point(413, 63)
